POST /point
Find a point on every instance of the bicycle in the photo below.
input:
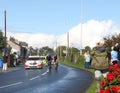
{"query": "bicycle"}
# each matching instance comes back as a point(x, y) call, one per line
point(56, 65)
point(49, 66)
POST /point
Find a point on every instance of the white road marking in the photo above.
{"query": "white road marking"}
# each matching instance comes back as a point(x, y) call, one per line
point(34, 77)
point(44, 73)
point(22, 82)
point(11, 85)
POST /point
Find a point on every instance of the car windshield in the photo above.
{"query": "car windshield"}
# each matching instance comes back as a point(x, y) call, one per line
point(33, 58)
point(42, 58)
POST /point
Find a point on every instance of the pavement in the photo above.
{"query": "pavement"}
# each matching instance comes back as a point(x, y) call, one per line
point(9, 69)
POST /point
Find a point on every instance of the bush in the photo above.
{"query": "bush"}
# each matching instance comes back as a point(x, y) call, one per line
point(111, 84)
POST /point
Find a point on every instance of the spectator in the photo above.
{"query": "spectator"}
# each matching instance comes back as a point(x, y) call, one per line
point(16, 58)
point(114, 55)
point(12, 60)
point(87, 59)
point(117, 45)
point(5, 57)
point(99, 63)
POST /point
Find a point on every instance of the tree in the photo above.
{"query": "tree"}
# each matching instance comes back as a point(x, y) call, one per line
point(87, 48)
point(1, 40)
point(45, 50)
point(60, 50)
point(111, 41)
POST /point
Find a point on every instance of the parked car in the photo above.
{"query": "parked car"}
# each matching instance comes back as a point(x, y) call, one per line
point(33, 62)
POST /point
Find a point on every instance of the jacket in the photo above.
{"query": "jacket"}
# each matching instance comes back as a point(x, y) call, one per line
point(99, 59)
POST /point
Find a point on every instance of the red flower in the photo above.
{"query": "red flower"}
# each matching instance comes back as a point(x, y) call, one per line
point(111, 84)
point(116, 66)
point(101, 91)
point(115, 89)
point(118, 70)
point(111, 68)
point(110, 77)
point(103, 82)
point(104, 91)
point(115, 73)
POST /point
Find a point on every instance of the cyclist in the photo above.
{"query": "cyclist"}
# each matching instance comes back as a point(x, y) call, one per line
point(55, 62)
point(48, 60)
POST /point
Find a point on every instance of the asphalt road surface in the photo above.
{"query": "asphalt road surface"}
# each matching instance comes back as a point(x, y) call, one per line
point(65, 80)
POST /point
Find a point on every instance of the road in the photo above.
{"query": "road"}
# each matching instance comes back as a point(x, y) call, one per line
point(65, 80)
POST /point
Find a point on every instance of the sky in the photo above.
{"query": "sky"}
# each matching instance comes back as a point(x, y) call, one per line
point(47, 22)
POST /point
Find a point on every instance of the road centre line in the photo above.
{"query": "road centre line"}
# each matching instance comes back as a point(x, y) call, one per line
point(34, 77)
point(11, 85)
point(44, 73)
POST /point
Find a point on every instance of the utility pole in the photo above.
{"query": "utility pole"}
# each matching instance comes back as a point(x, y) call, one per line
point(67, 44)
point(5, 30)
point(81, 30)
point(5, 64)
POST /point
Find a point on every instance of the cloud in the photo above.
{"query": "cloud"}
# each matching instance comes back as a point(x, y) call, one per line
point(92, 32)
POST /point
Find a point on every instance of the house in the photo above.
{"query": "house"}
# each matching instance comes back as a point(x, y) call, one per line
point(18, 46)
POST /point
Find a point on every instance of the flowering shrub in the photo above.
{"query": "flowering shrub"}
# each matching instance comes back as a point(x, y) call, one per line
point(111, 84)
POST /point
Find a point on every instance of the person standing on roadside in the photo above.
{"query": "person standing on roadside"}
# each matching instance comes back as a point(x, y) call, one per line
point(99, 63)
point(114, 55)
point(12, 60)
point(87, 59)
point(15, 59)
point(5, 57)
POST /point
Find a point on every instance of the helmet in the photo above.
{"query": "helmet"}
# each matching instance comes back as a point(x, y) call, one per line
point(48, 54)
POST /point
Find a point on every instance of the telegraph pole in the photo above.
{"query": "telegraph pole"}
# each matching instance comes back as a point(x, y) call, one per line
point(81, 30)
point(67, 43)
point(5, 30)
point(5, 44)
